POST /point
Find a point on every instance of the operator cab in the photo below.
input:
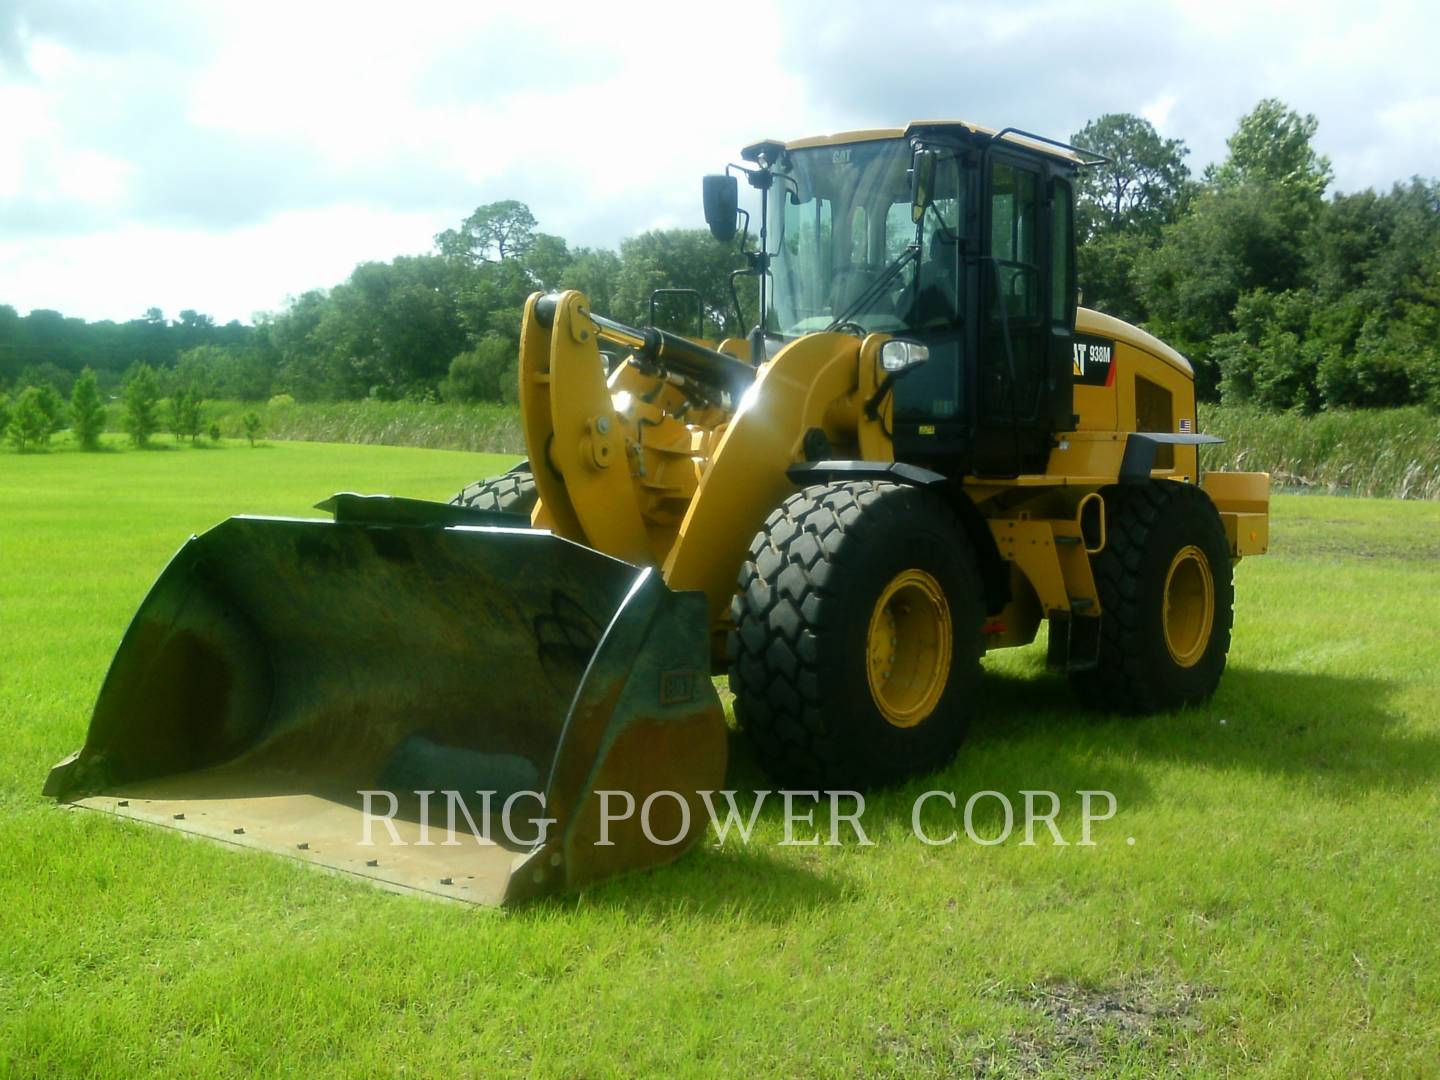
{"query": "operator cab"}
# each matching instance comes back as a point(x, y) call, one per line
point(949, 235)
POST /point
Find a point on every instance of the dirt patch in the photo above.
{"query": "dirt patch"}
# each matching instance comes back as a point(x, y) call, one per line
point(1091, 1031)
point(1147, 1024)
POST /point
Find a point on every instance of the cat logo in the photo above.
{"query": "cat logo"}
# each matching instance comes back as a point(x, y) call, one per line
point(840, 157)
point(678, 687)
point(1092, 360)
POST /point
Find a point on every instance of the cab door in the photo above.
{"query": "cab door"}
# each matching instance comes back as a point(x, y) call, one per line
point(1013, 375)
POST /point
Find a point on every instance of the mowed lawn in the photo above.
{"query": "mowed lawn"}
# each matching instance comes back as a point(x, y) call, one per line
point(1277, 913)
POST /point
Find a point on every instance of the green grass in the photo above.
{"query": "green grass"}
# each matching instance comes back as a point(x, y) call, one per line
point(1386, 452)
point(1275, 915)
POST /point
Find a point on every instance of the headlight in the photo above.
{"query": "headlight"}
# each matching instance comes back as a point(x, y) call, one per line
point(897, 355)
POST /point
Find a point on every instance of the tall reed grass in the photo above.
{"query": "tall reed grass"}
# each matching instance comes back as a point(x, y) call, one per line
point(1392, 453)
point(484, 428)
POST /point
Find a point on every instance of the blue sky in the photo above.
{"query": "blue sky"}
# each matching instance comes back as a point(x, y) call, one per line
point(223, 156)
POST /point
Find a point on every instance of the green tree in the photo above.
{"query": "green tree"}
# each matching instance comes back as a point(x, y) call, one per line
point(1141, 185)
point(1248, 229)
point(140, 396)
point(52, 407)
point(236, 372)
point(676, 259)
point(1122, 205)
point(87, 414)
point(545, 261)
point(253, 426)
point(491, 299)
point(288, 338)
point(4, 414)
point(184, 414)
point(192, 414)
point(391, 330)
point(1272, 146)
point(595, 272)
point(29, 424)
point(493, 233)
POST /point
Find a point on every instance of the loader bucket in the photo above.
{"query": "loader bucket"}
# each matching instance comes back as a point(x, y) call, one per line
point(306, 686)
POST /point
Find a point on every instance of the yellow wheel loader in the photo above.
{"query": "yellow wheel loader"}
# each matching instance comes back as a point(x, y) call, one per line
point(921, 452)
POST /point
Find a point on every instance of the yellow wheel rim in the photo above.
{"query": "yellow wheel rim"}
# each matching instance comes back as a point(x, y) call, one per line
point(908, 651)
point(1189, 606)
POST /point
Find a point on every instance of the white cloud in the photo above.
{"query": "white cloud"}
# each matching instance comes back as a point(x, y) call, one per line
point(222, 156)
point(118, 273)
point(1158, 111)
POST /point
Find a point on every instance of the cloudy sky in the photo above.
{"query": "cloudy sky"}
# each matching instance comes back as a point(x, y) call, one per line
point(223, 155)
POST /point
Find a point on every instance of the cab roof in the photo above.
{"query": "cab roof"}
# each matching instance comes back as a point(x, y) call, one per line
point(1033, 143)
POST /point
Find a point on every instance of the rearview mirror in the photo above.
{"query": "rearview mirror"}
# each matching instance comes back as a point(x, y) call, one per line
point(922, 183)
point(722, 202)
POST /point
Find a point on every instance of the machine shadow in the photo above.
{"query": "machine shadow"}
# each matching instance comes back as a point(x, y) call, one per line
point(736, 880)
point(1337, 733)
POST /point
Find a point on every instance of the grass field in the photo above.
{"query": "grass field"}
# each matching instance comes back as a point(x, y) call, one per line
point(1275, 915)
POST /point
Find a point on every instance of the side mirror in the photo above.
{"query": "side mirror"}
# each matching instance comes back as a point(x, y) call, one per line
point(722, 203)
point(922, 183)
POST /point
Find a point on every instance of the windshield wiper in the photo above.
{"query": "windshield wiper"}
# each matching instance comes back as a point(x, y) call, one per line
point(911, 252)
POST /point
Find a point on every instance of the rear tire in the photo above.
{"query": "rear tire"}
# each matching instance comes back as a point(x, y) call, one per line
point(855, 654)
point(512, 493)
point(1166, 600)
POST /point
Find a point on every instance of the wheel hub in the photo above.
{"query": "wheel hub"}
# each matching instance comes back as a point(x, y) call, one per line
point(909, 648)
point(1189, 612)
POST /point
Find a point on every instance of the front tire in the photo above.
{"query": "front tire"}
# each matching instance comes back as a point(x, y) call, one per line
point(855, 653)
point(1166, 600)
point(512, 493)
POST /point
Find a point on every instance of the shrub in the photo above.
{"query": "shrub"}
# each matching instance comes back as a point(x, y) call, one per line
point(214, 432)
point(252, 426)
point(4, 414)
point(488, 372)
point(141, 393)
point(29, 424)
point(87, 414)
point(279, 401)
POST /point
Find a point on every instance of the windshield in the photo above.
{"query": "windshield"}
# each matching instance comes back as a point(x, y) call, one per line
point(842, 223)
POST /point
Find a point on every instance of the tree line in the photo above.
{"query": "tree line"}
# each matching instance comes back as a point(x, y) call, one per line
point(37, 413)
point(1282, 292)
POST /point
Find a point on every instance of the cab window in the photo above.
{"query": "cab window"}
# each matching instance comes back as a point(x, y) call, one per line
point(1014, 229)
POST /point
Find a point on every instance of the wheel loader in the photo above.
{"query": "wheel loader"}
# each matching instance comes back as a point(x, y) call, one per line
point(922, 451)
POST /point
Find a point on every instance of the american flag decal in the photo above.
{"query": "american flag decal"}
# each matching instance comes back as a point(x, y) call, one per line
point(1184, 426)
